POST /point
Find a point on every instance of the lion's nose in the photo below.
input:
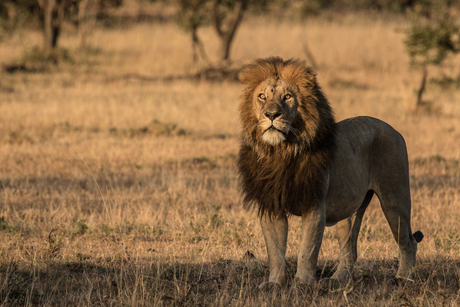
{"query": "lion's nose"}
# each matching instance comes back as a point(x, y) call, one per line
point(272, 115)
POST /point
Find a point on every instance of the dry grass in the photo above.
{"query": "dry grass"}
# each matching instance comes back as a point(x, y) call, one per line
point(115, 190)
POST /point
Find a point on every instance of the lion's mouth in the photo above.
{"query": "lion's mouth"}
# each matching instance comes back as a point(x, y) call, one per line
point(273, 129)
point(273, 135)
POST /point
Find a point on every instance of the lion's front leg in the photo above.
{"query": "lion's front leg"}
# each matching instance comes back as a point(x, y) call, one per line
point(313, 224)
point(275, 230)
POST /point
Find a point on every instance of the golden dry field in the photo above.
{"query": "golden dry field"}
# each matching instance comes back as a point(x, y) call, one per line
point(117, 189)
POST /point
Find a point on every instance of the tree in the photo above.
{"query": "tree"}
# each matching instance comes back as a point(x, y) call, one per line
point(191, 16)
point(431, 38)
point(227, 17)
point(86, 16)
point(53, 16)
point(14, 13)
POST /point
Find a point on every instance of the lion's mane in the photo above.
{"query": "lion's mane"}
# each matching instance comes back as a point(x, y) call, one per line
point(290, 176)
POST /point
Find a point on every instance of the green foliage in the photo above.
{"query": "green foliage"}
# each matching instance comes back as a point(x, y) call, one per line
point(236, 236)
point(430, 41)
point(432, 37)
point(105, 4)
point(55, 57)
point(447, 82)
point(449, 242)
point(157, 232)
point(55, 241)
point(15, 13)
point(105, 229)
point(192, 14)
point(224, 15)
point(80, 228)
point(3, 19)
point(315, 7)
point(4, 225)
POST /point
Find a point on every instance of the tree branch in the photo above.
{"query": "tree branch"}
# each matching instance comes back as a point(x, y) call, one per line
point(233, 23)
point(422, 87)
point(217, 19)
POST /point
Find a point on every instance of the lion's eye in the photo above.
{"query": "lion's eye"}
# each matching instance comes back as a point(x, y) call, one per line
point(262, 96)
point(287, 97)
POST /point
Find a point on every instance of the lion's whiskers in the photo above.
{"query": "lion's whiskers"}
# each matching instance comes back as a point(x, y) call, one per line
point(295, 131)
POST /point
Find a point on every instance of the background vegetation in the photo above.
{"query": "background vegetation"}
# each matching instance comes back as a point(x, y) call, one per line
point(118, 183)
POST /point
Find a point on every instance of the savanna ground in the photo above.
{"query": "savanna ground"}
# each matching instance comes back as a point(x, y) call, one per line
point(120, 190)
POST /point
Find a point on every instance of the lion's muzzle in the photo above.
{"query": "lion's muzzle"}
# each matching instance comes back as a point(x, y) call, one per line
point(272, 115)
point(274, 135)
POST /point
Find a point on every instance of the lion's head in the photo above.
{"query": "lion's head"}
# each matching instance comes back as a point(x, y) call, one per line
point(287, 138)
point(275, 106)
point(283, 108)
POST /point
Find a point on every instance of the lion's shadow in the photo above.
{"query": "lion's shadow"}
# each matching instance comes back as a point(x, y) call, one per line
point(58, 282)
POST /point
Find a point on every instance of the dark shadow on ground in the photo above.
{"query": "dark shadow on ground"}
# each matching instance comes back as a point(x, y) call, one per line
point(224, 282)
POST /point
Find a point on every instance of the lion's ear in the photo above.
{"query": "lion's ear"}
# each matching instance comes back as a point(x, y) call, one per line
point(299, 73)
point(258, 71)
point(251, 76)
point(310, 77)
point(244, 77)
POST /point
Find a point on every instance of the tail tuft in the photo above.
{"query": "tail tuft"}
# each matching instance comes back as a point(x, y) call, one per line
point(418, 236)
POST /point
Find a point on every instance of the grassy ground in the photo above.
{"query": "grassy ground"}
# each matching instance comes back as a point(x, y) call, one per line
point(116, 190)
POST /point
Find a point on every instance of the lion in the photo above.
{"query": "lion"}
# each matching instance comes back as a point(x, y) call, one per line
point(294, 159)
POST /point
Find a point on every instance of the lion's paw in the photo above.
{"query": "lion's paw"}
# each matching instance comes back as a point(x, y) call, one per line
point(269, 286)
point(400, 281)
point(331, 284)
point(305, 281)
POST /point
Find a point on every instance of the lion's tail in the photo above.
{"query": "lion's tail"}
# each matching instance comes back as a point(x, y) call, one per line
point(418, 236)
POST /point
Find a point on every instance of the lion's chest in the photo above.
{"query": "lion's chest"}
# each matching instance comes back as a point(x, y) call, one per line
point(281, 185)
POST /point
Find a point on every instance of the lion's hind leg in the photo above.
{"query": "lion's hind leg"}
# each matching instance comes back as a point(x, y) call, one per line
point(389, 179)
point(347, 235)
point(397, 213)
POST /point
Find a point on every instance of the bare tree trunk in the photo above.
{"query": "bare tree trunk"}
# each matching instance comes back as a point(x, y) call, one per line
point(234, 21)
point(194, 46)
point(58, 20)
point(53, 17)
point(198, 44)
point(82, 13)
point(86, 18)
point(48, 6)
point(422, 87)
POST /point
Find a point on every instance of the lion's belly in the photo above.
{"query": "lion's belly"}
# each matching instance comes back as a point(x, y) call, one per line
point(340, 207)
point(346, 193)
